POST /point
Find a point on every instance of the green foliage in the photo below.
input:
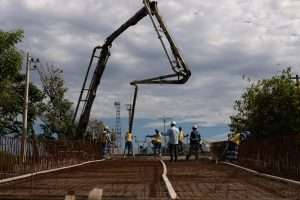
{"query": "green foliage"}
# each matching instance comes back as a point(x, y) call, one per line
point(10, 58)
point(12, 87)
point(57, 112)
point(268, 107)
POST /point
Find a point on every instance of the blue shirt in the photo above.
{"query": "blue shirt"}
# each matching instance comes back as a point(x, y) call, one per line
point(173, 134)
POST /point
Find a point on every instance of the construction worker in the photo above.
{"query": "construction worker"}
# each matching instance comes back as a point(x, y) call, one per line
point(173, 133)
point(181, 140)
point(128, 143)
point(102, 138)
point(195, 139)
point(156, 142)
point(109, 142)
point(232, 147)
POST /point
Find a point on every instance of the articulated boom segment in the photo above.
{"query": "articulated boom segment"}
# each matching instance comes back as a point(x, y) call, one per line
point(180, 74)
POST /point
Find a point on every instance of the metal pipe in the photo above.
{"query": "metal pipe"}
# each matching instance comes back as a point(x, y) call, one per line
point(133, 108)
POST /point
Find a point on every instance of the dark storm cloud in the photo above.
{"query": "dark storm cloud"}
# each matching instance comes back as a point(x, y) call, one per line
point(220, 42)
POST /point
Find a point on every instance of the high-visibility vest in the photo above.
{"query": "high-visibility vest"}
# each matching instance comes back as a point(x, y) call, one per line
point(236, 138)
point(129, 137)
point(158, 138)
point(181, 136)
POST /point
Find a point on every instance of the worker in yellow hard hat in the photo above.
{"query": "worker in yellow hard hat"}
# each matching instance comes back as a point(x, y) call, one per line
point(128, 143)
point(156, 141)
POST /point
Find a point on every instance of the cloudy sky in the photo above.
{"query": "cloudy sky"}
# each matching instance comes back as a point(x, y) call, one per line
point(220, 40)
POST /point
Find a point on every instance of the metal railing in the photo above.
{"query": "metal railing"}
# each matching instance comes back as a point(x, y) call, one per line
point(43, 155)
point(277, 155)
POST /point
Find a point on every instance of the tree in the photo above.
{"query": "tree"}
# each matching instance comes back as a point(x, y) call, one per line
point(12, 87)
point(57, 111)
point(268, 107)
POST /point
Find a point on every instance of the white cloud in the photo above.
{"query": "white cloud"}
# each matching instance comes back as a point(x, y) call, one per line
point(220, 41)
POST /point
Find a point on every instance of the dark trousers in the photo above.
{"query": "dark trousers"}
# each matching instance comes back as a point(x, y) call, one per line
point(102, 149)
point(194, 149)
point(157, 147)
point(173, 151)
point(128, 146)
point(180, 147)
point(232, 151)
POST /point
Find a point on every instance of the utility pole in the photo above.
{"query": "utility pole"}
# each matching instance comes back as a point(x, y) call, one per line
point(297, 79)
point(118, 129)
point(165, 119)
point(29, 60)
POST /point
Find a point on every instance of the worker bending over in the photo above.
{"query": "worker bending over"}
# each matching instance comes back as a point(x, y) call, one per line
point(195, 139)
point(173, 134)
point(128, 144)
point(156, 141)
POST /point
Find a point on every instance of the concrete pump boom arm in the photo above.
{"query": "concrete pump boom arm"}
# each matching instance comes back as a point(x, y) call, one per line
point(180, 75)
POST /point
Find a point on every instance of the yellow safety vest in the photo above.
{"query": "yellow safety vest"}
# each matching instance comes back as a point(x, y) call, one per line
point(158, 138)
point(236, 138)
point(128, 137)
point(181, 136)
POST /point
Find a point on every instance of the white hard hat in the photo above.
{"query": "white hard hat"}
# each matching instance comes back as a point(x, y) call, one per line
point(195, 127)
point(173, 123)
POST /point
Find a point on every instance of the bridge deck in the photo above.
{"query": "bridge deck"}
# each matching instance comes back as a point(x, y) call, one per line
point(141, 179)
point(119, 179)
point(207, 181)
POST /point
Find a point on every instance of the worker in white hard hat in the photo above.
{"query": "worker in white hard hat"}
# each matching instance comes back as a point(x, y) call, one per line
point(173, 133)
point(195, 139)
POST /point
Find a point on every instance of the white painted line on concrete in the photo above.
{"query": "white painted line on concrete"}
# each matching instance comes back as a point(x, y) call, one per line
point(45, 171)
point(169, 186)
point(263, 174)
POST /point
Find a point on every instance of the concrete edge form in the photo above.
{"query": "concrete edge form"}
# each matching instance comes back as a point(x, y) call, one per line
point(45, 171)
point(168, 184)
point(263, 174)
